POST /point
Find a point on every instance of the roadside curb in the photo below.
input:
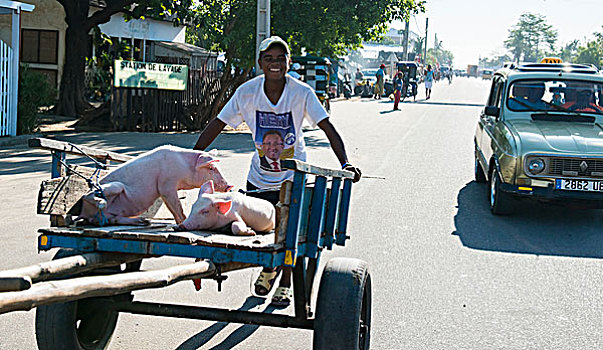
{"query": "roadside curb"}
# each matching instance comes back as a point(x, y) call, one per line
point(16, 140)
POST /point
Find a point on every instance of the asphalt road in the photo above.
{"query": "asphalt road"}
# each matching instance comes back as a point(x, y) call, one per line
point(446, 273)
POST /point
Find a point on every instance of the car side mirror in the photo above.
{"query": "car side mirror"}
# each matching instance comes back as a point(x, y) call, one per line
point(492, 111)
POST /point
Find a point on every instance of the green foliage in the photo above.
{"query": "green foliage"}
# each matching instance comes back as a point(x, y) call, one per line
point(99, 84)
point(591, 53)
point(324, 28)
point(35, 91)
point(330, 28)
point(531, 38)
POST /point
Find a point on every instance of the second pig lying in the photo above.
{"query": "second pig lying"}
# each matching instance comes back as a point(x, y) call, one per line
point(245, 215)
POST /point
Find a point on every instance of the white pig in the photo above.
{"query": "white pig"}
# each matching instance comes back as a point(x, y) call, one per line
point(246, 215)
point(133, 187)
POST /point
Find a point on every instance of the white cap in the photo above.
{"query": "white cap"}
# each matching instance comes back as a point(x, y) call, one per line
point(266, 43)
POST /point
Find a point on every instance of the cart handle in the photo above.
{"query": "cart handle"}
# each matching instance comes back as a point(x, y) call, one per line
point(314, 170)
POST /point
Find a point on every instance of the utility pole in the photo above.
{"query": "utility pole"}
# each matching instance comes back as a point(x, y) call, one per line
point(425, 52)
point(262, 28)
point(405, 54)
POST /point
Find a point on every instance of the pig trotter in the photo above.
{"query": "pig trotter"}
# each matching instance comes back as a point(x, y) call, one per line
point(239, 228)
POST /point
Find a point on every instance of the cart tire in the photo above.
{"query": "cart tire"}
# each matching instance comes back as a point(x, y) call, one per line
point(77, 325)
point(343, 309)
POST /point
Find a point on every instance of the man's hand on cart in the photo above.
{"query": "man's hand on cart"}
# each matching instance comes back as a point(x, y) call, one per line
point(356, 171)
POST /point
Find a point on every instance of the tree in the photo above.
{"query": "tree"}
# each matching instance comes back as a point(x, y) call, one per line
point(529, 35)
point(569, 51)
point(79, 24)
point(324, 28)
point(331, 28)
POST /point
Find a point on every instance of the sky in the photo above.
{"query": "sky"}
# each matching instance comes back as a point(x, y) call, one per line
point(470, 28)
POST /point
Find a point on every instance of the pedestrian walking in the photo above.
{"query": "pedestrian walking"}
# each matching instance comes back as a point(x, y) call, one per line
point(379, 85)
point(398, 83)
point(428, 82)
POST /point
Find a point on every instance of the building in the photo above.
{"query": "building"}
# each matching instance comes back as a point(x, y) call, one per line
point(43, 35)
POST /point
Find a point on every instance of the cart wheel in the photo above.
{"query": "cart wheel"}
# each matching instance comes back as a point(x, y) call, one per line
point(343, 309)
point(77, 325)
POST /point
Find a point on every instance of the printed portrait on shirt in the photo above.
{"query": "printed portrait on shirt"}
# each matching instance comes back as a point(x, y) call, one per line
point(274, 139)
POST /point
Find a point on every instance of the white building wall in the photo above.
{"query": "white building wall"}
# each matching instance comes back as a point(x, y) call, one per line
point(147, 29)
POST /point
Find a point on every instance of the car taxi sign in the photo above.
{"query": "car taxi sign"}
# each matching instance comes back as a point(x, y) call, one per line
point(551, 60)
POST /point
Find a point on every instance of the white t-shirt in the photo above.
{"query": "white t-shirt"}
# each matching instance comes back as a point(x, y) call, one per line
point(282, 121)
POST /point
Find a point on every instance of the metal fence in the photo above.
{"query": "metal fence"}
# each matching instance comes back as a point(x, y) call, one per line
point(8, 111)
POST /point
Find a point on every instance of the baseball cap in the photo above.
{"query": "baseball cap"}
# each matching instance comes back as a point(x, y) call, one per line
point(266, 43)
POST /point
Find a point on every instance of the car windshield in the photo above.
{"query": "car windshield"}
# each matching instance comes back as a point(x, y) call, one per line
point(556, 96)
point(369, 72)
point(487, 72)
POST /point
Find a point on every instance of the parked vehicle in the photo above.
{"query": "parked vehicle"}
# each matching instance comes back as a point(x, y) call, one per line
point(540, 137)
point(409, 70)
point(315, 72)
point(472, 70)
point(487, 74)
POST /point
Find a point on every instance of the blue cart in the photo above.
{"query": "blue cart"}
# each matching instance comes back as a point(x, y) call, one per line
point(80, 294)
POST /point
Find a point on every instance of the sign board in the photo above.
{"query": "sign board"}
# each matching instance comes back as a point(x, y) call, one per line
point(551, 60)
point(150, 75)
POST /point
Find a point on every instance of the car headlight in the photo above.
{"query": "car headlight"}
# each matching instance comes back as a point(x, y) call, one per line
point(536, 166)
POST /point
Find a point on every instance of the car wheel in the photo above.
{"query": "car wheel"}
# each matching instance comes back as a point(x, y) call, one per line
point(480, 176)
point(500, 202)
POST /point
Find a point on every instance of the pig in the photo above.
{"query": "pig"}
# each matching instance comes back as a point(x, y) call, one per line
point(130, 189)
point(245, 215)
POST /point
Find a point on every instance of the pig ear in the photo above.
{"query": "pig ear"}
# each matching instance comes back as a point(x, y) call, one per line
point(223, 206)
point(207, 187)
point(204, 160)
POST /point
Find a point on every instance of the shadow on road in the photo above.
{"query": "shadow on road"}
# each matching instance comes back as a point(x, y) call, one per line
point(533, 228)
point(234, 338)
point(458, 104)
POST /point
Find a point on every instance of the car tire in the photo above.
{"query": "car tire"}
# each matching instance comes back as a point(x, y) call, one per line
point(480, 175)
point(500, 202)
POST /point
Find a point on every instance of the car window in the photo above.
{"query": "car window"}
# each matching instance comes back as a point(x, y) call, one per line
point(556, 96)
point(495, 92)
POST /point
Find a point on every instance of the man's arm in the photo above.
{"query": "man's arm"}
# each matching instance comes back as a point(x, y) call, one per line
point(209, 134)
point(338, 147)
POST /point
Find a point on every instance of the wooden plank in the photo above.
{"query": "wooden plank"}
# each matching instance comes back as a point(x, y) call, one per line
point(60, 195)
point(260, 242)
point(67, 266)
point(283, 212)
point(54, 145)
point(12, 284)
point(314, 170)
point(44, 293)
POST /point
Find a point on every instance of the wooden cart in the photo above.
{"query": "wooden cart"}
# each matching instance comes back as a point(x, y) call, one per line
point(80, 293)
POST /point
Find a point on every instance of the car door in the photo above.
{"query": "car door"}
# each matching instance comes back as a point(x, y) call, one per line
point(487, 123)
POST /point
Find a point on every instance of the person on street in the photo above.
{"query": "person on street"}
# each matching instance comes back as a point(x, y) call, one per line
point(359, 75)
point(428, 82)
point(275, 101)
point(398, 83)
point(380, 83)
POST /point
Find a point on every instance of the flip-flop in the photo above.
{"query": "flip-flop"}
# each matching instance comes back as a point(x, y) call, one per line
point(282, 297)
point(265, 282)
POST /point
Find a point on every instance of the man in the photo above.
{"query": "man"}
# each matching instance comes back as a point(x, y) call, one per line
point(275, 101)
point(398, 83)
point(272, 147)
point(380, 83)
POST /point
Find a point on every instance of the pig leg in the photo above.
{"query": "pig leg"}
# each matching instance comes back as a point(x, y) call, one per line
point(171, 200)
point(240, 228)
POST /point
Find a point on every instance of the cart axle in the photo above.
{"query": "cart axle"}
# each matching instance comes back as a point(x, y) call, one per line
point(213, 314)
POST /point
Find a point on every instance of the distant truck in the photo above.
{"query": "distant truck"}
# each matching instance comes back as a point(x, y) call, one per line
point(472, 70)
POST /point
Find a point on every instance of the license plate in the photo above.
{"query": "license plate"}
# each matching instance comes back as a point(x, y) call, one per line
point(579, 185)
